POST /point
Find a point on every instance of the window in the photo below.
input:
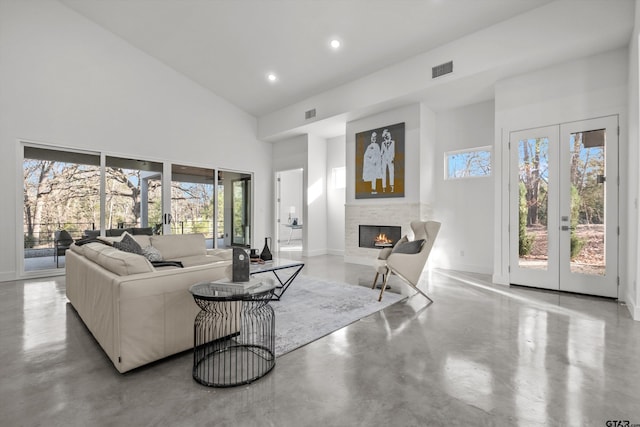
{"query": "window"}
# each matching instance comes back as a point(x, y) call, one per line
point(339, 177)
point(470, 163)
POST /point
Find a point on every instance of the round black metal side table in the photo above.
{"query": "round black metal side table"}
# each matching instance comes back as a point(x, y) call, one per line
point(234, 334)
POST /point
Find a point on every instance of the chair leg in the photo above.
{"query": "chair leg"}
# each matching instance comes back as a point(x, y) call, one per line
point(423, 294)
point(375, 280)
point(384, 285)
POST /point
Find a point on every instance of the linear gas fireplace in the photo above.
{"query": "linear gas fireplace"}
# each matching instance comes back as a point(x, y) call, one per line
point(379, 236)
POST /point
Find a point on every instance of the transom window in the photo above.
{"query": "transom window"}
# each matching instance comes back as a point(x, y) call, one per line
point(469, 163)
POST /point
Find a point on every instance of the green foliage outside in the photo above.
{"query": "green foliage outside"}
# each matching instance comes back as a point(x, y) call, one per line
point(576, 243)
point(29, 241)
point(525, 240)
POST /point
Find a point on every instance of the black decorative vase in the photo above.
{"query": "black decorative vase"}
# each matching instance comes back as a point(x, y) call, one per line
point(265, 255)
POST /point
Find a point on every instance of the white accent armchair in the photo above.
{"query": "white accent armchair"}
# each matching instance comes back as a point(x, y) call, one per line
point(407, 258)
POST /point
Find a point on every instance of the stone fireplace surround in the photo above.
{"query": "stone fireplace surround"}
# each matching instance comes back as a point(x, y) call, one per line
point(392, 214)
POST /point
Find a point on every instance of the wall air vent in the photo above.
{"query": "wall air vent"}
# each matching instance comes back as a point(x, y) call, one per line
point(442, 69)
point(309, 114)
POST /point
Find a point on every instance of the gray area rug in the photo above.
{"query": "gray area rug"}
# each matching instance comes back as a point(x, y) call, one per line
point(312, 308)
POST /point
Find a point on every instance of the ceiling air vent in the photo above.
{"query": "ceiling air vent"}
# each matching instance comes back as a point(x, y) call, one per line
point(309, 114)
point(442, 69)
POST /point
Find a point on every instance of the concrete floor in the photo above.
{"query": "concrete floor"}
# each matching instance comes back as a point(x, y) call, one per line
point(480, 355)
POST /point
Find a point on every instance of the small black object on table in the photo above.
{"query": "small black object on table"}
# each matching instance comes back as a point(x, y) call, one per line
point(234, 334)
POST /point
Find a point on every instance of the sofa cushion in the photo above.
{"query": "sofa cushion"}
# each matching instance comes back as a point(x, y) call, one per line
point(117, 261)
point(178, 246)
point(151, 253)
point(142, 239)
point(128, 244)
point(412, 247)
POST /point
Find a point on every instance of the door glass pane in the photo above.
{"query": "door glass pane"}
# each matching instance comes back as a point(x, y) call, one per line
point(61, 201)
point(240, 212)
point(533, 166)
point(133, 193)
point(220, 218)
point(587, 174)
point(192, 201)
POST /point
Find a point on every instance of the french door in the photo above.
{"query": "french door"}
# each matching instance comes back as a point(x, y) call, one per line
point(563, 211)
point(241, 212)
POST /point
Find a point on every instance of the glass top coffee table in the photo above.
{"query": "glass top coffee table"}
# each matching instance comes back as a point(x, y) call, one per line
point(285, 271)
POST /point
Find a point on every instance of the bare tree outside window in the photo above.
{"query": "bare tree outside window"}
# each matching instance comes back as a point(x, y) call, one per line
point(468, 163)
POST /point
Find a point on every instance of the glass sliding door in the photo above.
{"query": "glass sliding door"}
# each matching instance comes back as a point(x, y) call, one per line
point(133, 196)
point(61, 200)
point(235, 208)
point(70, 195)
point(193, 201)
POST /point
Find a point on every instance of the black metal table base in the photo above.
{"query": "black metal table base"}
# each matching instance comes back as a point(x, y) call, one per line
point(284, 282)
point(238, 357)
point(234, 365)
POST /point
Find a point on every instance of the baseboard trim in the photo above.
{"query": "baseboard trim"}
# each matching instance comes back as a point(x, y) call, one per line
point(316, 252)
point(634, 310)
point(499, 279)
point(469, 268)
point(338, 252)
point(8, 277)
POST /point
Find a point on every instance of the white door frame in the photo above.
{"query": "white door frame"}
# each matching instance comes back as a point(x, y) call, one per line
point(557, 275)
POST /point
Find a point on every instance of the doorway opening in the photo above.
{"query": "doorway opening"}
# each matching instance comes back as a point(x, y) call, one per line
point(289, 211)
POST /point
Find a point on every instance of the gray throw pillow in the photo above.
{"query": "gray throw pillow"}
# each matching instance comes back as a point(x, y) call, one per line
point(152, 254)
point(128, 244)
point(412, 247)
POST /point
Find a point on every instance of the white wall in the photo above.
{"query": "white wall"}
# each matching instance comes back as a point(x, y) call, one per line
point(501, 48)
point(465, 206)
point(290, 154)
point(633, 254)
point(67, 82)
point(590, 87)
point(428, 162)
point(315, 229)
point(335, 197)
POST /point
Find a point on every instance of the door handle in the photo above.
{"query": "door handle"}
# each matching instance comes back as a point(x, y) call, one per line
point(564, 228)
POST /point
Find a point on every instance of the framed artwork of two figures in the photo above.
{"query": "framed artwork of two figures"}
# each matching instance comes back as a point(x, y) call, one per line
point(380, 162)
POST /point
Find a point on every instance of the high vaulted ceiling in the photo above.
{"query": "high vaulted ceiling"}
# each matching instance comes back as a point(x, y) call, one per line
point(229, 46)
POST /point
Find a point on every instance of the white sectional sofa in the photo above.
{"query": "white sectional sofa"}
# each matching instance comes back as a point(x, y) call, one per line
point(139, 313)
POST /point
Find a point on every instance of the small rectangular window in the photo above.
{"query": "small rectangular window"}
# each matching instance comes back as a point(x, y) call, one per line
point(339, 177)
point(469, 163)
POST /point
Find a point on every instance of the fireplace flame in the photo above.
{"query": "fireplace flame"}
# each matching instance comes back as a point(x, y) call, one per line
point(382, 240)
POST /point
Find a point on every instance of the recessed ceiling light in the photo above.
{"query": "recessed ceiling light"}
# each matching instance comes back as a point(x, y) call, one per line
point(335, 43)
point(272, 77)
